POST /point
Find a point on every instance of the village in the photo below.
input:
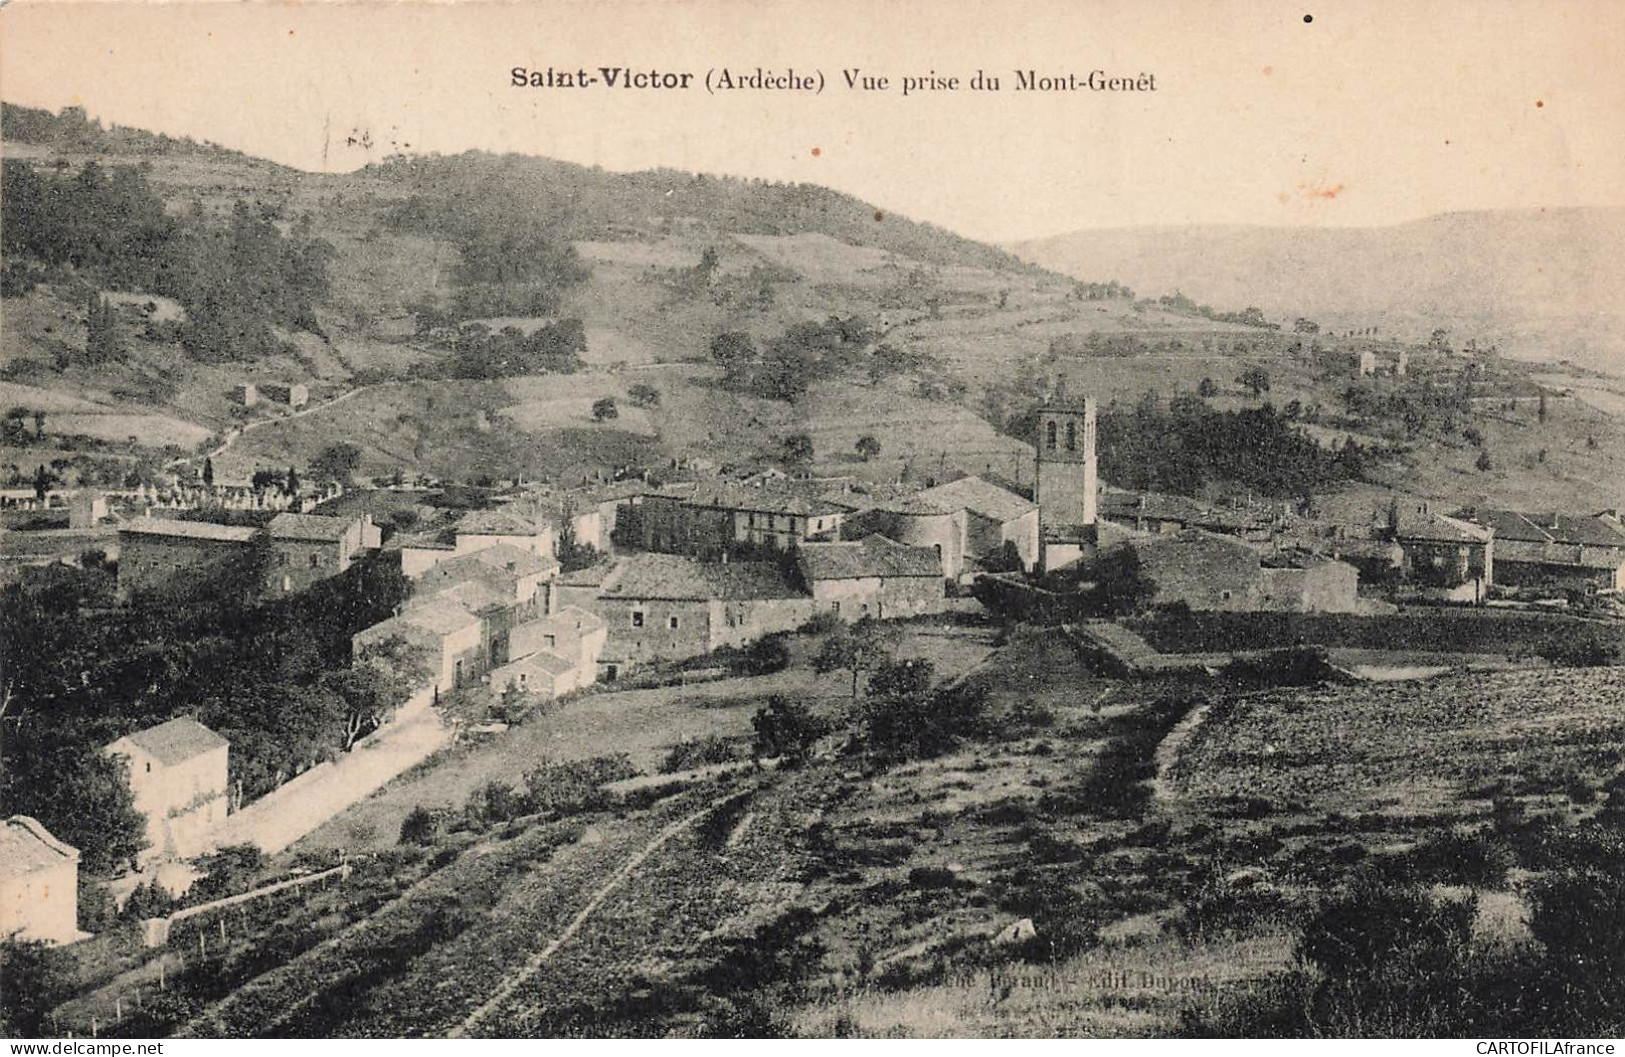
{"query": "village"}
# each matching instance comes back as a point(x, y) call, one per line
point(546, 593)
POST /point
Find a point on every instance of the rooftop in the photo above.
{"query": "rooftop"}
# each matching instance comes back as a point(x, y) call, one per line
point(1587, 529)
point(674, 577)
point(176, 741)
point(872, 556)
point(1441, 529)
point(26, 846)
point(196, 530)
point(980, 497)
point(438, 615)
point(497, 523)
point(761, 499)
point(310, 527)
point(507, 557)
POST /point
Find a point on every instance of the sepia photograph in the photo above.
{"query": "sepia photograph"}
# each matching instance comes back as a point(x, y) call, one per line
point(810, 519)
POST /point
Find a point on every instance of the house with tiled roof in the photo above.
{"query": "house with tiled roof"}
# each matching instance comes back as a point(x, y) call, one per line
point(1444, 557)
point(178, 773)
point(309, 548)
point(555, 655)
point(1556, 550)
point(873, 577)
point(660, 607)
point(452, 638)
point(479, 529)
point(718, 517)
point(39, 883)
point(1211, 571)
point(160, 555)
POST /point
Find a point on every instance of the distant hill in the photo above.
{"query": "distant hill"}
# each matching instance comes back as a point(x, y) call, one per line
point(1546, 284)
point(592, 203)
point(72, 131)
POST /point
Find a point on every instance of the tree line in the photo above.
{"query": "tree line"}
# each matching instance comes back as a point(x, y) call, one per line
point(238, 278)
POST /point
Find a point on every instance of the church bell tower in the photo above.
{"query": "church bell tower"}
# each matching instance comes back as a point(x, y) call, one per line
point(1067, 485)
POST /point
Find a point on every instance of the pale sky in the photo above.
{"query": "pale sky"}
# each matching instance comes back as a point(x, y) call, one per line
point(1372, 113)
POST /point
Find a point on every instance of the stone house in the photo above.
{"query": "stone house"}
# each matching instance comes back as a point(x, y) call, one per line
point(662, 607)
point(309, 548)
point(1444, 556)
point(873, 577)
point(453, 638)
point(159, 555)
point(479, 529)
point(178, 773)
point(718, 517)
point(39, 884)
point(555, 655)
point(1556, 551)
point(1213, 572)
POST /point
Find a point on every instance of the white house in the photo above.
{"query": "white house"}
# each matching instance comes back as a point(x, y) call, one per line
point(178, 774)
point(39, 884)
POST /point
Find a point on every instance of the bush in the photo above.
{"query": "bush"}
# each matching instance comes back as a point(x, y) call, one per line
point(820, 623)
point(785, 729)
point(1479, 859)
point(420, 826)
point(690, 753)
point(904, 716)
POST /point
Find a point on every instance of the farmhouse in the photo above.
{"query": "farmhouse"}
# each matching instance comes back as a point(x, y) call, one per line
point(177, 771)
point(39, 884)
point(661, 607)
point(873, 577)
point(1556, 551)
point(1212, 572)
point(308, 548)
point(156, 554)
point(720, 517)
point(525, 578)
point(453, 637)
point(1449, 557)
point(555, 655)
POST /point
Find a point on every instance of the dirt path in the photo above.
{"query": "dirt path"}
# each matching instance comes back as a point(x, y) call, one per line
point(232, 436)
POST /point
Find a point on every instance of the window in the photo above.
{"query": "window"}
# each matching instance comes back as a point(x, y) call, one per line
point(837, 609)
point(1049, 435)
point(551, 640)
point(1071, 436)
point(523, 678)
point(637, 618)
point(1224, 595)
point(315, 561)
point(149, 766)
point(672, 623)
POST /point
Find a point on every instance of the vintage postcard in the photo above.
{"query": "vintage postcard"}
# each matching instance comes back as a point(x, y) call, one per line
point(763, 519)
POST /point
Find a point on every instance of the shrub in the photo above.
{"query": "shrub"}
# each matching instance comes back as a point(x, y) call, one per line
point(785, 729)
point(420, 826)
point(690, 753)
point(820, 623)
point(1479, 859)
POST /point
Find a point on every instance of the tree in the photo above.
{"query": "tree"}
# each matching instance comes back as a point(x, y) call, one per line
point(735, 352)
point(336, 463)
point(37, 977)
point(785, 729)
point(292, 484)
point(1121, 586)
point(39, 422)
point(868, 447)
point(644, 395)
point(1207, 388)
point(1256, 380)
point(798, 449)
point(1483, 462)
point(208, 472)
point(43, 479)
point(857, 649)
point(605, 409)
point(1540, 411)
